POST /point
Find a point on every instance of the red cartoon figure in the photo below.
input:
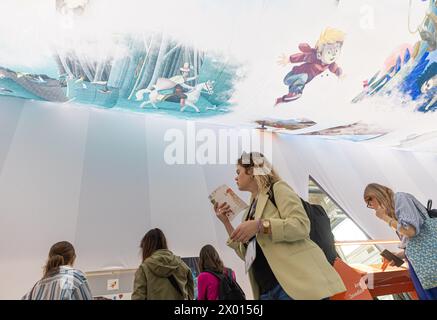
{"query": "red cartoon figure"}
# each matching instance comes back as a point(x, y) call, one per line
point(315, 61)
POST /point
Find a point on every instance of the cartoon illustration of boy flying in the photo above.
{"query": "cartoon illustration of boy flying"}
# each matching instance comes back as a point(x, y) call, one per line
point(316, 60)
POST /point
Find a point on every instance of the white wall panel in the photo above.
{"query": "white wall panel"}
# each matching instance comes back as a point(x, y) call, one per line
point(98, 178)
point(39, 190)
point(114, 199)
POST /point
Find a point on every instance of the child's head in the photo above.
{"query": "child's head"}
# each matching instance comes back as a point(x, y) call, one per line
point(329, 45)
point(429, 84)
point(428, 80)
point(185, 70)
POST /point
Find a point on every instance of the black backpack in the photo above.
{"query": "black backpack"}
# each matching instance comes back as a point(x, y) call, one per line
point(229, 288)
point(320, 227)
point(431, 212)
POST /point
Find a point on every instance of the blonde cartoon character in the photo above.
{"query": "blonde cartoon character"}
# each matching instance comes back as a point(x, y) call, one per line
point(315, 61)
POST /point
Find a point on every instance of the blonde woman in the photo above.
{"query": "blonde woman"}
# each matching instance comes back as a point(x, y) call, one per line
point(404, 213)
point(287, 265)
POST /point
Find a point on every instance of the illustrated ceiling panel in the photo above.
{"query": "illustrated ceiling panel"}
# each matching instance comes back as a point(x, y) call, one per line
point(357, 70)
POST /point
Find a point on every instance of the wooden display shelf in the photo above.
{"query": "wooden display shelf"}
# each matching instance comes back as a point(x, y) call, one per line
point(393, 280)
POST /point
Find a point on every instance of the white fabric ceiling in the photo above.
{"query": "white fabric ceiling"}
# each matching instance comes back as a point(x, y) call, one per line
point(98, 179)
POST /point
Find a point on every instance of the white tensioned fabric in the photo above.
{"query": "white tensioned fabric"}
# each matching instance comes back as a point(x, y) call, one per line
point(98, 178)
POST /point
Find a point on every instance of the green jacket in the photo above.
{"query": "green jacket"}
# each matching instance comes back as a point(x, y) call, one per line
point(152, 282)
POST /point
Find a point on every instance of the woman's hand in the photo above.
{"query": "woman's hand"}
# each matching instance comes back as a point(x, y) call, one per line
point(245, 231)
point(381, 213)
point(222, 211)
point(401, 254)
point(386, 263)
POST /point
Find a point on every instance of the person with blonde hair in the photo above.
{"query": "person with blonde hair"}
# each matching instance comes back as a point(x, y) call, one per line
point(315, 61)
point(287, 264)
point(405, 214)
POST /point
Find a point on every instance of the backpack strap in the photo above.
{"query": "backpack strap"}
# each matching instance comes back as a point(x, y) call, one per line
point(272, 196)
point(424, 216)
point(175, 285)
point(215, 274)
point(229, 272)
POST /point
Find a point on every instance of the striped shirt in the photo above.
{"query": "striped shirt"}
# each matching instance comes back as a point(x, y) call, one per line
point(67, 284)
point(409, 212)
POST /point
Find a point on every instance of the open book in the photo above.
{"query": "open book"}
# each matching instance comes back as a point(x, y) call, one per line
point(392, 257)
point(225, 194)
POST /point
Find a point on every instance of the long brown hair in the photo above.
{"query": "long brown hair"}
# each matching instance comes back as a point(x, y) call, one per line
point(383, 195)
point(153, 240)
point(209, 259)
point(60, 254)
point(263, 172)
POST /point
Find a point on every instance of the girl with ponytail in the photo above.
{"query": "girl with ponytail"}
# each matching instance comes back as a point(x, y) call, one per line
point(61, 253)
point(405, 214)
point(60, 280)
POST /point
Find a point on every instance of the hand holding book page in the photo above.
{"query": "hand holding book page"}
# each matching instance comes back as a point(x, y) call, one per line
point(390, 259)
point(225, 194)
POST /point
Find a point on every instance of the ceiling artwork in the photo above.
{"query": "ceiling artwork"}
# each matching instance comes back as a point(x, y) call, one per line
point(347, 70)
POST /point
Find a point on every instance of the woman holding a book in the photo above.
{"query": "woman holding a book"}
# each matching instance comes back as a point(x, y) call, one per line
point(417, 231)
point(286, 263)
